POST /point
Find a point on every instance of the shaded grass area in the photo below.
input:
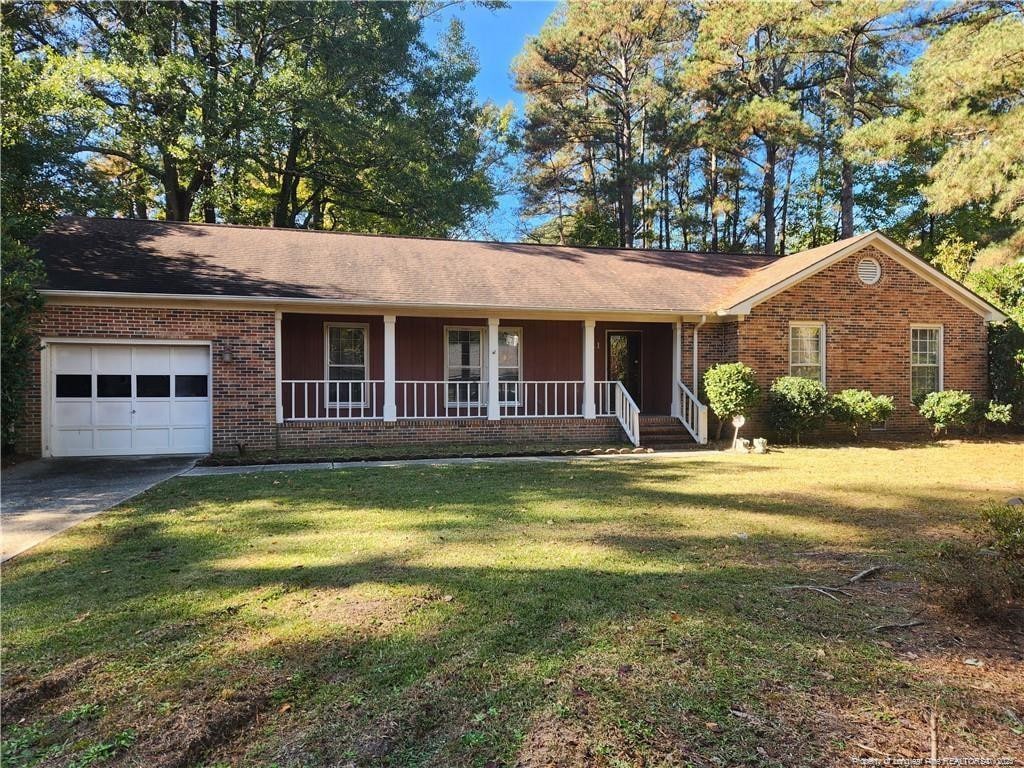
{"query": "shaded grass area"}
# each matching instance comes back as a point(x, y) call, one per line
point(619, 614)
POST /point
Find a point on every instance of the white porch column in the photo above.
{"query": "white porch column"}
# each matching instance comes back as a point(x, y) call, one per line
point(390, 403)
point(696, 367)
point(589, 410)
point(677, 365)
point(493, 405)
point(278, 405)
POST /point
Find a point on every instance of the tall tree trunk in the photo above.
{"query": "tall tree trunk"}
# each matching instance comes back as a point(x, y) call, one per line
point(771, 152)
point(846, 200)
point(210, 115)
point(713, 197)
point(284, 213)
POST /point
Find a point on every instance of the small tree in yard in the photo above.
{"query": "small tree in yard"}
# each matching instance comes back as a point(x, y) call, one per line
point(950, 408)
point(796, 405)
point(21, 274)
point(731, 391)
point(858, 408)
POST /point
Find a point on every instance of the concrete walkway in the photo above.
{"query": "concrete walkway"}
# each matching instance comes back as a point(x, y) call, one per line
point(44, 497)
point(209, 471)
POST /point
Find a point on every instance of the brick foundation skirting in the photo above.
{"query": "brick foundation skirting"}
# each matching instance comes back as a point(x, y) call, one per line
point(328, 434)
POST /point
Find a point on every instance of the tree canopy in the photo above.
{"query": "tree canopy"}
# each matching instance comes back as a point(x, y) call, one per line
point(750, 125)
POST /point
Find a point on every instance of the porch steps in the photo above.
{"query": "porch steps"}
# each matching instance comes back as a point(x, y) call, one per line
point(664, 433)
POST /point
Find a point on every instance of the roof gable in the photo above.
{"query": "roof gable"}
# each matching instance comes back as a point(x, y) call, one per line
point(791, 270)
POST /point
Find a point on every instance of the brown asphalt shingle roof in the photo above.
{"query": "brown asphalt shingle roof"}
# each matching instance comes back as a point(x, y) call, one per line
point(154, 257)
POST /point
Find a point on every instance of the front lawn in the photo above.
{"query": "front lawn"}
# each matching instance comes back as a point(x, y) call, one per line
point(626, 613)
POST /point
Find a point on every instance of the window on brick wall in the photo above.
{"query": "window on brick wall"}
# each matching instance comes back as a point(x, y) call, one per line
point(807, 350)
point(346, 359)
point(464, 365)
point(925, 361)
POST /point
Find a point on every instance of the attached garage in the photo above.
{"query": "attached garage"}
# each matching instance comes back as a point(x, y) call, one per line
point(121, 399)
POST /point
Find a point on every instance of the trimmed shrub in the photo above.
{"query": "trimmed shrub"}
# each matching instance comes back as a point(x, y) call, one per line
point(949, 408)
point(991, 412)
point(796, 406)
point(858, 408)
point(731, 390)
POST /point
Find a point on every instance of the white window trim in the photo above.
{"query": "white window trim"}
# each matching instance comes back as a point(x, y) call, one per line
point(517, 330)
point(822, 345)
point(942, 353)
point(327, 365)
point(480, 401)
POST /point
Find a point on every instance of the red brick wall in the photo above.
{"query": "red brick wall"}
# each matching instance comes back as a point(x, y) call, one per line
point(243, 389)
point(461, 431)
point(867, 333)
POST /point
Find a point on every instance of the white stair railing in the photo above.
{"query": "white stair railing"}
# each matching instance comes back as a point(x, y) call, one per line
point(693, 414)
point(627, 413)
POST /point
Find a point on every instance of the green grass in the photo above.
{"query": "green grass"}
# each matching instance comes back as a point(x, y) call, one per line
point(619, 613)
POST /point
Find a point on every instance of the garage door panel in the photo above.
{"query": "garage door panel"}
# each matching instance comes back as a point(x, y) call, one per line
point(111, 440)
point(112, 358)
point(122, 399)
point(114, 414)
point(152, 360)
point(191, 413)
point(75, 441)
point(73, 413)
point(72, 359)
point(153, 440)
point(151, 414)
point(191, 359)
point(190, 439)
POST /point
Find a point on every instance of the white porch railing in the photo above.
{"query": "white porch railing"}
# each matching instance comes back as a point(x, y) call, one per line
point(441, 399)
point(540, 399)
point(627, 413)
point(322, 400)
point(693, 414)
point(319, 400)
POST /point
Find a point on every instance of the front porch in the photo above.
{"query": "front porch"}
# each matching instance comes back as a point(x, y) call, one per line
point(386, 378)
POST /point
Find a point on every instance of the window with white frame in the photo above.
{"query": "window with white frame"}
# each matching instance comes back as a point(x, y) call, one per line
point(510, 364)
point(346, 359)
point(807, 350)
point(925, 361)
point(464, 356)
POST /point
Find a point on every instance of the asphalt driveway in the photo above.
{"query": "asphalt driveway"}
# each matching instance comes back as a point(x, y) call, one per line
point(41, 498)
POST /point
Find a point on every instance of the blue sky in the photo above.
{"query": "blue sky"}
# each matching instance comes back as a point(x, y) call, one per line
point(498, 37)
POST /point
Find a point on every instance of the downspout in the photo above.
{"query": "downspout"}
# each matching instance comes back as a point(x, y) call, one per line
point(696, 384)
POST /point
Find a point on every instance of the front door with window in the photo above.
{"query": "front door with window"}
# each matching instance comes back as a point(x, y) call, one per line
point(624, 349)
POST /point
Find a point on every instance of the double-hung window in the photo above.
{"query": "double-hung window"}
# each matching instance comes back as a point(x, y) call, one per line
point(346, 363)
point(464, 357)
point(925, 360)
point(510, 363)
point(807, 351)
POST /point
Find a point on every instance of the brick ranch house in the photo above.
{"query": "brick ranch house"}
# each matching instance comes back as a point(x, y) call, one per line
point(161, 337)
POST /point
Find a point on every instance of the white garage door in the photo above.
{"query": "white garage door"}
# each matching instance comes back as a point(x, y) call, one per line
point(120, 399)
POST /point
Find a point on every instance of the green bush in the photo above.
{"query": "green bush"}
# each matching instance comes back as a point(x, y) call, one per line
point(1006, 523)
point(991, 412)
point(796, 405)
point(984, 579)
point(858, 408)
point(731, 390)
point(1006, 365)
point(949, 408)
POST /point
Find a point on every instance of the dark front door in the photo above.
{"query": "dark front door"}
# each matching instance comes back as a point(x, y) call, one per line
point(624, 361)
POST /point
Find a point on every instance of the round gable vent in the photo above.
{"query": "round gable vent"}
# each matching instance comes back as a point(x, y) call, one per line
point(869, 271)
